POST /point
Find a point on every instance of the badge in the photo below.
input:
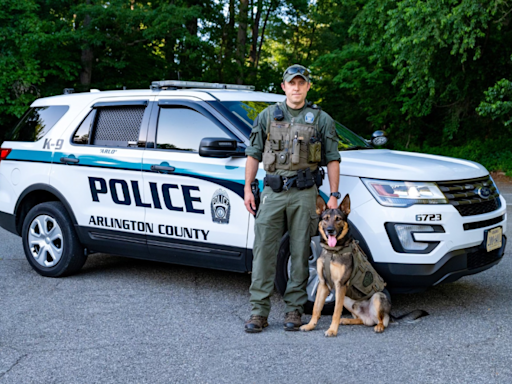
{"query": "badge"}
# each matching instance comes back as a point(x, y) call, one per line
point(220, 207)
point(309, 118)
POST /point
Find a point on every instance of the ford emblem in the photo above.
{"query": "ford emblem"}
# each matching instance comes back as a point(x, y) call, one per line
point(483, 192)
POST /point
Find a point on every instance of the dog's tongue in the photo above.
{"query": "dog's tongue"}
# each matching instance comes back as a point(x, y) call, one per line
point(331, 240)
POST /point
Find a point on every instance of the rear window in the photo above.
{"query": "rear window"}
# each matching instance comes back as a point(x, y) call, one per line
point(36, 123)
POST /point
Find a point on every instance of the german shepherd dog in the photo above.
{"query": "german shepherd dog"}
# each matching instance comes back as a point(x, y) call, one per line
point(334, 229)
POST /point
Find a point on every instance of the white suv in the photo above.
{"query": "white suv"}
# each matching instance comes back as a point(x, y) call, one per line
point(158, 174)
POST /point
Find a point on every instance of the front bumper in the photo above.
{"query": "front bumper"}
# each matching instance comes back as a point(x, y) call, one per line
point(408, 278)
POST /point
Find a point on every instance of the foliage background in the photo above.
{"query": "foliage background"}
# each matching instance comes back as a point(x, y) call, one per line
point(435, 75)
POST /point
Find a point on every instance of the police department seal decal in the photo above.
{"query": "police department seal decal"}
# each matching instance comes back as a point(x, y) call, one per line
point(220, 207)
point(309, 118)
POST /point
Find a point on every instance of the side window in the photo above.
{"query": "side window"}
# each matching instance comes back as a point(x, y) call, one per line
point(117, 126)
point(182, 129)
point(36, 123)
point(81, 135)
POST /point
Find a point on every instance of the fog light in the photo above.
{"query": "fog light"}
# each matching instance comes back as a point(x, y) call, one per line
point(405, 233)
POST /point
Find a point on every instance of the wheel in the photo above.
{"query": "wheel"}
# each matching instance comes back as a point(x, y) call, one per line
point(283, 273)
point(50, 242)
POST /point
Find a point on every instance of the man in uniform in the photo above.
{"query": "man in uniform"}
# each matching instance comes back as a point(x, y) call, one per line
point(288, 137)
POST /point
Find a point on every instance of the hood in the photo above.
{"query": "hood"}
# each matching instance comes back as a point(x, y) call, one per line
point(408, 166)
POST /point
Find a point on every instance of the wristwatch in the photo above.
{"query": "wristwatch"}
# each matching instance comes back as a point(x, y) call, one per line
point(336, 195)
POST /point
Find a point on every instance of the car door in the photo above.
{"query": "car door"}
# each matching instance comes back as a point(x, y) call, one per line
point(197, 212)
point(97, 169)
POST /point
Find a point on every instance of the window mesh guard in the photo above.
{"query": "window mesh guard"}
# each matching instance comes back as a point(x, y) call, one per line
point(117, 125)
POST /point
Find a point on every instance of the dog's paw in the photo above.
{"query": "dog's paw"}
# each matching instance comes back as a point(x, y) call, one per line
point(344, 321)
point(307, 327)
point(379, 328)
point(331, 333)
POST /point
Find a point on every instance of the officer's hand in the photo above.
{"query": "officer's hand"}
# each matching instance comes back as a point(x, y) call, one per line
point(249, 202)
point(332, 203)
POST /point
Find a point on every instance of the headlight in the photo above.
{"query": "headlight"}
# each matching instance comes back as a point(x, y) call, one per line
point(404, 193)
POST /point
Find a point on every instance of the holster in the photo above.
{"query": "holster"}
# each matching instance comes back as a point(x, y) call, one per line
point(319, 176)
point(255, 188)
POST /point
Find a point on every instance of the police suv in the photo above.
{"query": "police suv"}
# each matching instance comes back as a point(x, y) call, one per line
point(158, 174)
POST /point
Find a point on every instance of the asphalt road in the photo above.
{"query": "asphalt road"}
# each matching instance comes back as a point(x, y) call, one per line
point(130, 321)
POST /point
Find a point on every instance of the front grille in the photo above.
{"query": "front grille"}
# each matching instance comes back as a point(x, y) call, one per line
point(481, 258)
point(463, 195)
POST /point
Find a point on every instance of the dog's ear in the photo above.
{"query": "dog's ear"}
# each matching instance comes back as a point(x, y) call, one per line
point(345, 205)
point(320, 205)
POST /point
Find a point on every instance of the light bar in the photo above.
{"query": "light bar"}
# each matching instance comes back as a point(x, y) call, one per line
point(198, 84)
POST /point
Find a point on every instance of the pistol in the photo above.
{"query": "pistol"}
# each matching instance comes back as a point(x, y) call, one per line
point(255, 189)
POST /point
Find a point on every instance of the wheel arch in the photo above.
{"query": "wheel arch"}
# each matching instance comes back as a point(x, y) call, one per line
point(356, 234)
point(34, 195)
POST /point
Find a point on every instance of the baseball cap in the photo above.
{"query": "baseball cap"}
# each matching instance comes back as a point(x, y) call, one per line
point(296, 70)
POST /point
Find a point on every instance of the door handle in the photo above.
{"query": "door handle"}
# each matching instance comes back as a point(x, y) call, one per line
point(69, 160)
point(162, 168)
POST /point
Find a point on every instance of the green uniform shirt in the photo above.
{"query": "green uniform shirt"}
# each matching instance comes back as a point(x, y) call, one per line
point(325, 127)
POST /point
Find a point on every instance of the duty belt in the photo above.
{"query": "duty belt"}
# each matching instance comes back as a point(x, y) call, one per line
point(286, 182)
point(303, 180)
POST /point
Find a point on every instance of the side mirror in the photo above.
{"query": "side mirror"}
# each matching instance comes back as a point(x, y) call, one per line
point(379, 138)
point(220, 148)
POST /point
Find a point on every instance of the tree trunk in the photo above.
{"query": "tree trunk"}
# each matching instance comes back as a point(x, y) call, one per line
point(227, 42)
point(255, 34)
point(241, 40)
point(258, 55)
point(87, 59)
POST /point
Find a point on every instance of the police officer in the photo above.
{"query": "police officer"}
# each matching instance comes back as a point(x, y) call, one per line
point(288, 137)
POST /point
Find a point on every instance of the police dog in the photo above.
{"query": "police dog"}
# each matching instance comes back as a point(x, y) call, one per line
point(334, 229)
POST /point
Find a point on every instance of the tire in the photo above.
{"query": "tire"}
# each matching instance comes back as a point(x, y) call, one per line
point(283, 268)
point(50, 242)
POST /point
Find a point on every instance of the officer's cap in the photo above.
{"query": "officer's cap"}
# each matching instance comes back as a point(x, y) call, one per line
point(296, 70)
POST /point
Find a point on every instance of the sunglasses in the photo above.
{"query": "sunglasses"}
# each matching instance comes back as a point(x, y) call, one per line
point(292, 70)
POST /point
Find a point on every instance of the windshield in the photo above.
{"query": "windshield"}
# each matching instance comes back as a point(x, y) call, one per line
point(348, 140)
point(246, 111)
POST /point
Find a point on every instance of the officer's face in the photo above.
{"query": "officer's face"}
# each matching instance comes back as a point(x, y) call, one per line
point(296, 90)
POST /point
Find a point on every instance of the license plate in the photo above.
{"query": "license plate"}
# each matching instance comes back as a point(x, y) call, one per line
point(494, 238)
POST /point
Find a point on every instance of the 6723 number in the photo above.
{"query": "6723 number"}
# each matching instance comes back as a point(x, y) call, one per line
point(429, 217)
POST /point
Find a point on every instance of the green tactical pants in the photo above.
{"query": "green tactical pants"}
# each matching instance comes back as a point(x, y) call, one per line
point(295, 209)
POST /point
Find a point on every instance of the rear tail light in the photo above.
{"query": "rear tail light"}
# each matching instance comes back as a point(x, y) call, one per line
point(4, 152)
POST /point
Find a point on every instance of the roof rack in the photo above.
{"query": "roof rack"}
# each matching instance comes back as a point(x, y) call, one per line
point(177, 84)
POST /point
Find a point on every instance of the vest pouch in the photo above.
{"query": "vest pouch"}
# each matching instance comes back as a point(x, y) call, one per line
point(295, 151)
point(269, 161)
point(276, 141)
point(365, 281)
point(315, 152)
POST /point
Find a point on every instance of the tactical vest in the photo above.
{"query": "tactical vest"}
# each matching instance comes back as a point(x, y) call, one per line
point(292, 145)
point(364, 280)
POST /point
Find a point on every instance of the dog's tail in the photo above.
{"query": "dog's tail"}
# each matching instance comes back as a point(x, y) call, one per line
point(410, 317)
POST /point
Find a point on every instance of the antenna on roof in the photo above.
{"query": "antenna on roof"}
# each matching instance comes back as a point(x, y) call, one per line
point(177, 84)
